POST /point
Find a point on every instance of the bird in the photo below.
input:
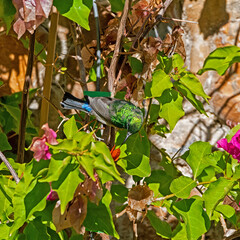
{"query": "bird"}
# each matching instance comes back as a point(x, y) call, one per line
point(108, 111)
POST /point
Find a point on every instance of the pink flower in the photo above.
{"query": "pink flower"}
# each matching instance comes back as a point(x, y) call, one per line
point(38, 146)
point(232, 147)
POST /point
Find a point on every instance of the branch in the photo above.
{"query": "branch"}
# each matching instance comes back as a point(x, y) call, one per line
point(113, 65)
point(25, 97)
point(79, 57)
point(98, 70)
point(10, 168)
point(49, 69)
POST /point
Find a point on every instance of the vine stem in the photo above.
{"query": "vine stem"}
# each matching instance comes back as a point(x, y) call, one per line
point(172, 195)
point(25, 97)
point(49, 69)
point(10, 168)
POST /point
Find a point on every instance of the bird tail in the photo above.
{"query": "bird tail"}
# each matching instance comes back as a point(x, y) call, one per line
point(71, 102)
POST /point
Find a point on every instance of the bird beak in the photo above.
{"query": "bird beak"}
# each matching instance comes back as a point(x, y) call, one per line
point(128, 135)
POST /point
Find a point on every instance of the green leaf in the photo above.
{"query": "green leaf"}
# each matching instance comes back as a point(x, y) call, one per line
point(134, 158)
point(117, 6)
point(74, 10)
point(70, 128)
point(119, 193)
point(63, 6)
point(165, 63)
point(180, 232)
point(99, 218)
point(232, 132)
point(65, 145)
point(93, 74)
point(160, 82)
point(4, 144)
point(57, 165)
point(197, 158)
point(215, 193)
point(190, 97)
point(190, 81)
point(195, 218)
point(36, 230)
point(104, 161)
point(29, 197)
point(177, 61)
point(135, 64)
point(162, 228)
point(7, 188)
point(228, 212)
point(162, 177)
point(7, 12)
point(182, 186)
point(87, 162)
point(154, 113)
point(221, 59)
point(171, 109)
point(67, 183)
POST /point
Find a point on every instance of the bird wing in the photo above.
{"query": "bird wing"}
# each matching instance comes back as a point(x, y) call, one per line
point(100, 106)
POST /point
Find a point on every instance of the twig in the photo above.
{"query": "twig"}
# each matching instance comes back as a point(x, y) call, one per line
point(10, 168)
point(113, 65)
point(79, 57)
point(98, 70)
point(49, 69)
point(25, 97)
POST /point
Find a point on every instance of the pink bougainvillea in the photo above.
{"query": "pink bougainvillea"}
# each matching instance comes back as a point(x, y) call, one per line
point(30, 14)
point(232, 147)
point(39, 147)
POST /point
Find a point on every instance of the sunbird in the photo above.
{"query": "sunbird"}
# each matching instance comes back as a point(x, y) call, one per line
point(109, 111)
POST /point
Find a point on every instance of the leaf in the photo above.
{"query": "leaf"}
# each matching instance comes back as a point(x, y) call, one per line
point(119, 193)
point(182, 186)
point(7, 188)
point(57, 165)
point(190, 81)
point(4, 144)
point(171, 109)
point(99, 218)
point(117, 6)
point(215, 193)
point(7, 12)
point(134, 158)
point(70, 128)
point(197, 158)
point(65, 145)
point(78, 12)
point(160, 82)
point(180, 232)
point(221, 59)
point(162, 177)
point(190, 97)
point(104, 161)
point(136, 65)
point(228, 212)
point(154, 113)
point(165, 63)
point(93, 77)
point(29, 197)
point(177, 61)
point(162, 228)
point(195, 218)
point(67, 183)
point(232, 132)
point(36, 230)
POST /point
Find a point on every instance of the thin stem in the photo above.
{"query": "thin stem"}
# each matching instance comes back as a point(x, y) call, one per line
point(49, 69)
point(78, 53)
point(98, 70)
point(25, 98)
point(113, 65)
point(10, 168)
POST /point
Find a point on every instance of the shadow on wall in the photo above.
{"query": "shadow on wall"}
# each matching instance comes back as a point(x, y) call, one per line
point(213, 17)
